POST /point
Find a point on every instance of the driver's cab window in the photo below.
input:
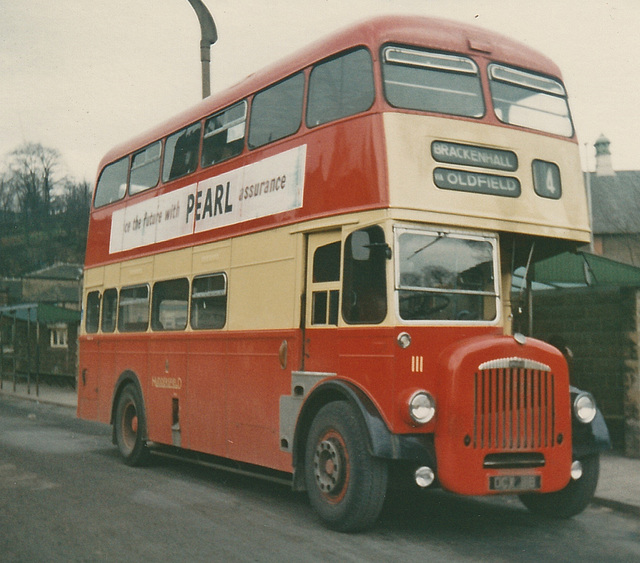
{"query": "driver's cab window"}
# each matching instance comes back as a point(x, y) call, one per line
point(364, 296)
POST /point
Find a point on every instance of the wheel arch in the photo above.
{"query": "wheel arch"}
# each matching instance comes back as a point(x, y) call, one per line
point(380, 439)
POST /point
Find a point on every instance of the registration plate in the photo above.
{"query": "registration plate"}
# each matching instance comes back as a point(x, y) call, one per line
point(514, 483)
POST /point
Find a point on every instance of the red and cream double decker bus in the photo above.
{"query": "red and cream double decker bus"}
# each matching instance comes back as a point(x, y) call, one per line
point(310, 273)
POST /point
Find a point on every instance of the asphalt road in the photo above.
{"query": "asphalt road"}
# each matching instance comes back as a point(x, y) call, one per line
point(66, 496)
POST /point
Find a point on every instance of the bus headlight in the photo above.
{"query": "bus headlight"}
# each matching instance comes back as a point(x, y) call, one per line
point(422, 407)
point(584, 407)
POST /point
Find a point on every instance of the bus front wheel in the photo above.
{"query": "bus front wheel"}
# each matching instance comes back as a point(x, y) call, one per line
point(130, 427)
point(345, 484)
point(571, 500)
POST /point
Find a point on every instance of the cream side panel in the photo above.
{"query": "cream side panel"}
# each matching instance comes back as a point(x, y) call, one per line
point(411, 166)
point(112, 275)
point(93, 278)
point(172, 264)
point(136, 271)
point(211, 258)
point(262, 281)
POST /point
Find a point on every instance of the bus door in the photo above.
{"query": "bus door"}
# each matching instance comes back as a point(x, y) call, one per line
point(322, 304)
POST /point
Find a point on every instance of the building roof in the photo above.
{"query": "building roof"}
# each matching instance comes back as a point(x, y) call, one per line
point(583, 268)
point(615, 202)
point(59, 271)
point(40, 312)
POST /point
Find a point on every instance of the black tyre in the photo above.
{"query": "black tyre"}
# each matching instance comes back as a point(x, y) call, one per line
point(130, 427)
point(345, 484)
point(571, 500)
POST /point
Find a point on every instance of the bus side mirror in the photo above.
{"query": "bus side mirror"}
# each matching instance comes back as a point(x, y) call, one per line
point(360, 245)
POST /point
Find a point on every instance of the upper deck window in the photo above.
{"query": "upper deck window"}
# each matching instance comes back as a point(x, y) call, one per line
point(224, 134)
point(530, 100)
point(429, 81)
point(277, 111)
point(340, 87)
point(181, 153)
point(145, 168)
point(112, 183)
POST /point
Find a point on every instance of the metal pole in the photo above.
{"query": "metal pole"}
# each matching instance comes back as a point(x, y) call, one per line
point(29, 351)
point(587, 185)
point(1, 353)
point(209, 36)
point(13, 342)
point(37, 358)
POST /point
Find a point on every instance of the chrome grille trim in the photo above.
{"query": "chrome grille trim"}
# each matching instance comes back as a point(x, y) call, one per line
point(513, 409)
point(514, 362)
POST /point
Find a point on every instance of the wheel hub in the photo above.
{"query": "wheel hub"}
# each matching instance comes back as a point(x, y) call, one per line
point(329, 466)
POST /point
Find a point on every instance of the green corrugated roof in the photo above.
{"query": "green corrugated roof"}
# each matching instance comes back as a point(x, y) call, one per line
point(584, 269)
point(41, 312)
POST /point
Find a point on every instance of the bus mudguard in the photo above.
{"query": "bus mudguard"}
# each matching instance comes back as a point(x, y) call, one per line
point(382, 442)
point(591, 438)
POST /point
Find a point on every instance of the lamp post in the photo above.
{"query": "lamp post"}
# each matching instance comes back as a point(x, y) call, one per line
point(209, 36)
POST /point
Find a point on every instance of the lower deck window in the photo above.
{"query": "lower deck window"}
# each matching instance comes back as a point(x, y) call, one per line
point(92, 312)
point(133, 312)
point(209, 302)
point(109, 310)
point(170, 304)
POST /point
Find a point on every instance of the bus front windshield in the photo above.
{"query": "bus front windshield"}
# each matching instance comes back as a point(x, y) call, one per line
point(445, 277)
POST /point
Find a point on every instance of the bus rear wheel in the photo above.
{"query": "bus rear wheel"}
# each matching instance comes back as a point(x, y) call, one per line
point(130, 427)
point(571, 500)
point(345, 484)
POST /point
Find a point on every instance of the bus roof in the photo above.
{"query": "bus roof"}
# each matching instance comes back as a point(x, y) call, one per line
point(437, 34)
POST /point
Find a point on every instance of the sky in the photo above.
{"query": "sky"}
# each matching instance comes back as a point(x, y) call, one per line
point(81, 76)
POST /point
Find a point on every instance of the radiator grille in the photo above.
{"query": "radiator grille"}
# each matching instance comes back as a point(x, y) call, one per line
point(513, 408)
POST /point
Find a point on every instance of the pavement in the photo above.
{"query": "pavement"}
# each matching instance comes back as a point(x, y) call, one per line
point(618, 487)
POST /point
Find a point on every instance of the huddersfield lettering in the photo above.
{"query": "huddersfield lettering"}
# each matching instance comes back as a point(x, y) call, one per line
point(167, 382)
point(461, 180)
point(469, 155)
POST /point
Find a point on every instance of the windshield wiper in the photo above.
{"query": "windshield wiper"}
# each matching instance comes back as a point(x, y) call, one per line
point(440, 237)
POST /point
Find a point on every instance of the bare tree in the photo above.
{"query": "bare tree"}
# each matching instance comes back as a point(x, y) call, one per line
point(32, 173)
point(7, 205)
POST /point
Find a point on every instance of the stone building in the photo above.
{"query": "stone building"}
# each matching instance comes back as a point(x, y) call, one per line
point(59, 285)
point(589, 302)
point(615, 208)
